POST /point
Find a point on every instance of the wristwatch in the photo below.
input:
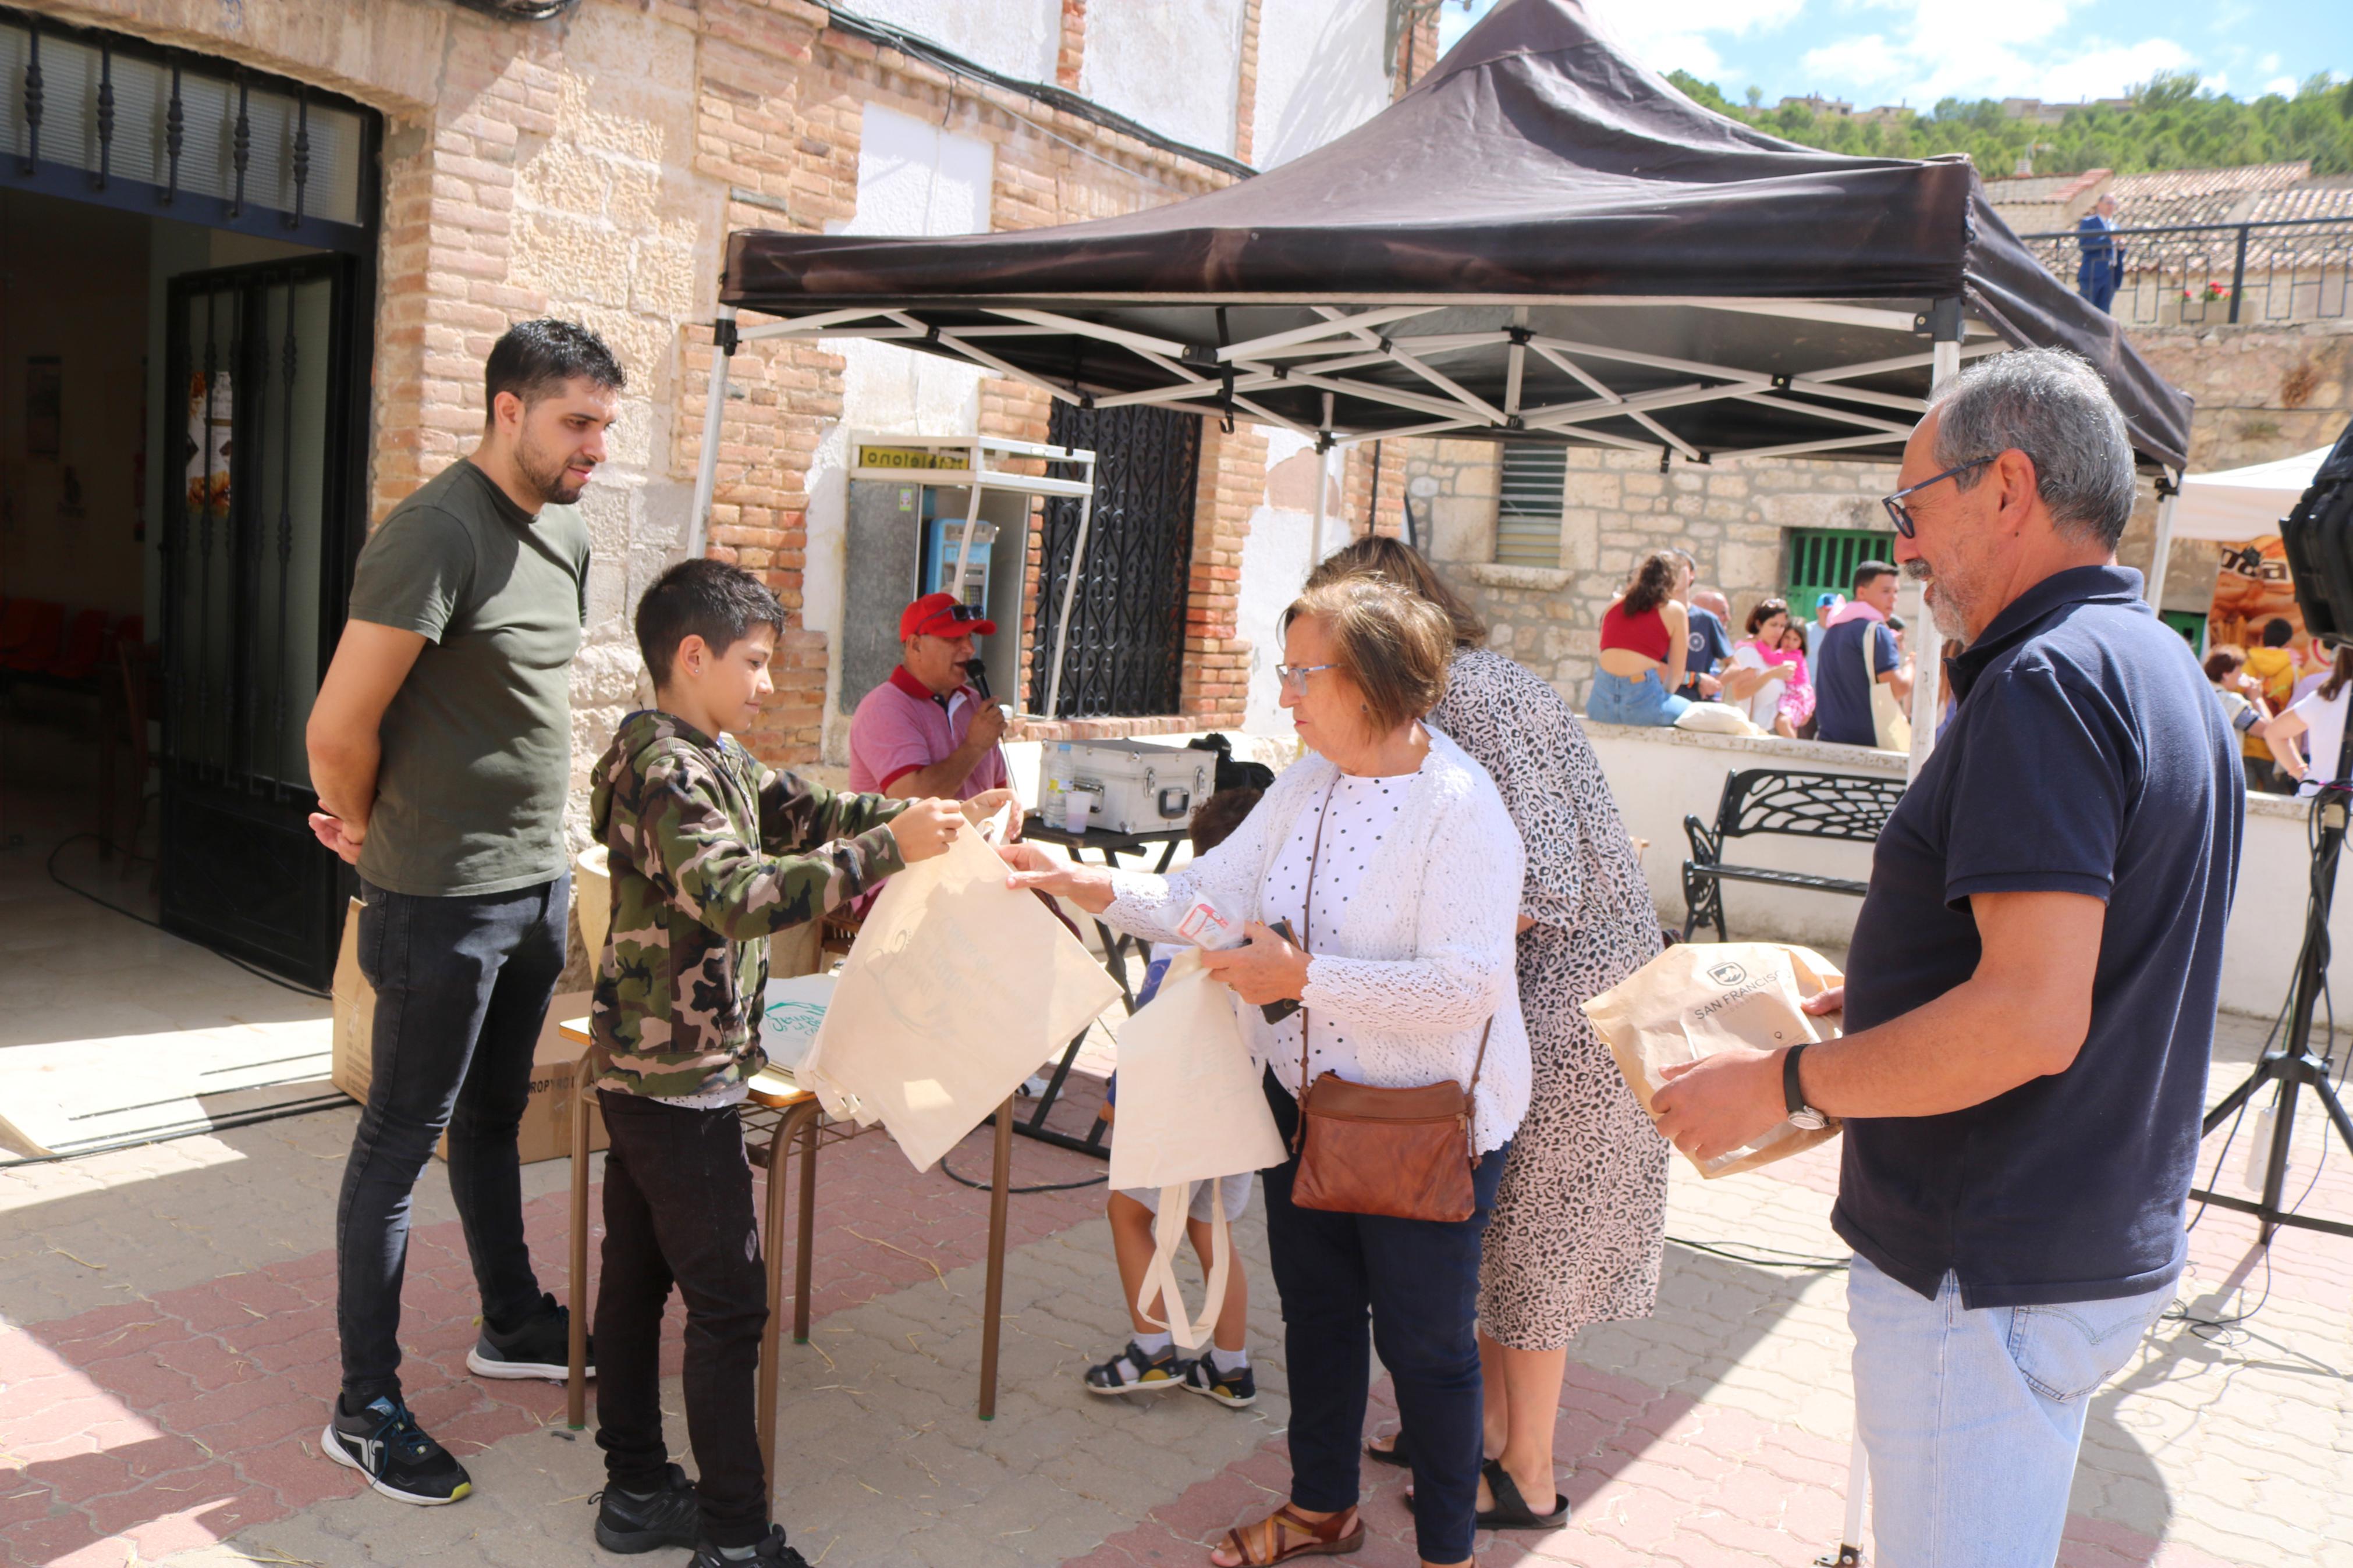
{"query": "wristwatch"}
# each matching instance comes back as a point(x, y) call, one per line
point(1800, 1114)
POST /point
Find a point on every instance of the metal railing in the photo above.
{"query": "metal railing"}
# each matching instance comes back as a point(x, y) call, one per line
point(2289, 270)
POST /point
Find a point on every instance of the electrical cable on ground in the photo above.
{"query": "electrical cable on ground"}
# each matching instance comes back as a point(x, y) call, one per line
point(1041, 1187)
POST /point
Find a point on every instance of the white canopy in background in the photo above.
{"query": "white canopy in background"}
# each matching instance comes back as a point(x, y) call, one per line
point(2243, 504)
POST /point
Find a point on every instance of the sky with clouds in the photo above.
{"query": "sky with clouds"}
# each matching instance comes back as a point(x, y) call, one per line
point(1919, 51)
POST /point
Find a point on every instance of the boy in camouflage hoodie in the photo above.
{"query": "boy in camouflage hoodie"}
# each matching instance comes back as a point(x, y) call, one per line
point(710, 854)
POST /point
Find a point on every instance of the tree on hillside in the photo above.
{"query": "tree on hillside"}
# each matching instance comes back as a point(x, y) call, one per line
point(2170, 123)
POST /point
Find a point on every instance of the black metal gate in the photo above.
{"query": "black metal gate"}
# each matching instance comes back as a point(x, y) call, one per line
point(259, 523)
point(1127, 650)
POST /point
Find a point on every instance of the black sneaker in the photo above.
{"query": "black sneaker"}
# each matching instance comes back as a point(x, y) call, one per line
point(771, 1552)
point(1232, 1385)
point(384, 1443)
point(1132, 1372)
point(540, 1347)
point(672, 1517)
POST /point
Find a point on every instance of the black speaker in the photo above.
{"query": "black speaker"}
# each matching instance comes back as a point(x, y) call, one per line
point(2317, 539)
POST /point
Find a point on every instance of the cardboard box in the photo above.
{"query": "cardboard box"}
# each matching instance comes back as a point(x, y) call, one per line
point(546, 1132)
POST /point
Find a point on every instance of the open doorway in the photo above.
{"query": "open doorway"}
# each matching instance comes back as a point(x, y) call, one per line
point(175, 517)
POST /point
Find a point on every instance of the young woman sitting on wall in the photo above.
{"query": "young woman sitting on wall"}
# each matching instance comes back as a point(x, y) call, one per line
point(1643, 647)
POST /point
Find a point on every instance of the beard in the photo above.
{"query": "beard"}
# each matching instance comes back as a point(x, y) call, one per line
point(1946, 612)
point(548, 474)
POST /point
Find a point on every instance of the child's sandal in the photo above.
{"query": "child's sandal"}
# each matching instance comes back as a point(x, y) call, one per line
point(1132, 1372)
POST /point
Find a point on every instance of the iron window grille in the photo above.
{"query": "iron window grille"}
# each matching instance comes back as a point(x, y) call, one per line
point(1125, 656)
point(1823, 561)
point(98, 116)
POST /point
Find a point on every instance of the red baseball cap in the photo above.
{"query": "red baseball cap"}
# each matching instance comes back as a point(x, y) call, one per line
point(942, 615)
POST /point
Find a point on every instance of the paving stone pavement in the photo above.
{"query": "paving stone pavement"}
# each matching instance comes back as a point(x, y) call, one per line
point(166, 1350)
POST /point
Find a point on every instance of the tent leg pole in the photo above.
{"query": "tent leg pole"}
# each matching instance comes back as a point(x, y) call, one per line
point(1927, 646)
point(2161, 557)
point(1062, 622)
point(706, 470)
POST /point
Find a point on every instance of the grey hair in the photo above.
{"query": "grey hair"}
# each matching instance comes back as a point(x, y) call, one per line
point(2052, 405)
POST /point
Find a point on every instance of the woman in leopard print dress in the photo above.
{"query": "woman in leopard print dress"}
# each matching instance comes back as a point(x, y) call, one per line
point(1579, 1220)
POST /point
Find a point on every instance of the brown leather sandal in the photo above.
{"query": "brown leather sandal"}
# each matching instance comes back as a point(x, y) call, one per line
point(1261, 1545)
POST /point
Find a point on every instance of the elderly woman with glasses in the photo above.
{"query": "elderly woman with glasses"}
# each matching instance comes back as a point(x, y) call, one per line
point(1389, 859)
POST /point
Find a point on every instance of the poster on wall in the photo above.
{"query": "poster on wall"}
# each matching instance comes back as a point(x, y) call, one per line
point(44, 407)
point(2251, 589)
point(209, 406)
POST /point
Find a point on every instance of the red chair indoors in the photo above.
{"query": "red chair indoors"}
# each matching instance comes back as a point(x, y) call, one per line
point(84, 646)
point(29, 631)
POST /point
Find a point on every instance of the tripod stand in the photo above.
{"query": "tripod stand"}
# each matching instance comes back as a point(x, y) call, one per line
point(2293, 1067)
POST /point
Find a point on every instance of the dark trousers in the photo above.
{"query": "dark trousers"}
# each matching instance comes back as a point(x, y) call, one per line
point(461, 992)
point(1418, 1282)
point(678, 1210)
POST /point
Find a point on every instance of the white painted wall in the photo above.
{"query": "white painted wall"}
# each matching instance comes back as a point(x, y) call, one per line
point(1020, 38)
point(1319, 73)
point(914, 178)
point(1173, 65)
point(1659, 775)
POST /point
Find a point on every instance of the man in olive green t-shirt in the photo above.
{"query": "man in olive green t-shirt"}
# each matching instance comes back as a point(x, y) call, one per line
point(440, 746)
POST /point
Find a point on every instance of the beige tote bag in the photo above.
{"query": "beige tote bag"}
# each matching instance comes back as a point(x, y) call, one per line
point(1190, 1109)
point(1694, 999)
point(1890, 726)
point(957, 989)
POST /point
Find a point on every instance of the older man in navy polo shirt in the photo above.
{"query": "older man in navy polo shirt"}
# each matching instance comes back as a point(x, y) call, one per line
point(2030, 993)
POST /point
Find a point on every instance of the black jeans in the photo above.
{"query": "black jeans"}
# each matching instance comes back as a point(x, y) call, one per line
point(461, 992)
point(1417, 1280)
point(678, 1210)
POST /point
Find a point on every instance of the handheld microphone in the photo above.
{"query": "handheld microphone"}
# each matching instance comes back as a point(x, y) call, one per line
point(976, 670)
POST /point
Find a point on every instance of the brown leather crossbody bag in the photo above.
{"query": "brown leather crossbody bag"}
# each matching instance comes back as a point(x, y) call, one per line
point(1402, 1153)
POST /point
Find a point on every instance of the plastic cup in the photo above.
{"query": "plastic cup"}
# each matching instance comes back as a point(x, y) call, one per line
point(1078, 804)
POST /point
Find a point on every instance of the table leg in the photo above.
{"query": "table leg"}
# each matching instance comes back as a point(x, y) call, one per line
point(576, 1377)
point(804, 1244)
point(772, 1242)
point(992, 1308)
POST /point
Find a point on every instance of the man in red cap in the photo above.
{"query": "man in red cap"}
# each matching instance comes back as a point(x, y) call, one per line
point(926, 733)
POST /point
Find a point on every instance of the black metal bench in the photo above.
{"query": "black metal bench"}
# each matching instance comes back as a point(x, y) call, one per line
point(1795, 804)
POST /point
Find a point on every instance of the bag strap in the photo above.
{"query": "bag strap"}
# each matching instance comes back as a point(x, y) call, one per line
point(1160, 1273)
point(1307, 933)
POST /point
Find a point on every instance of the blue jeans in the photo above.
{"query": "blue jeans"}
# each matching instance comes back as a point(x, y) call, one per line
point(1972, 1417)
point(1633, 699)
point(461, 992)
point(1418, 1282)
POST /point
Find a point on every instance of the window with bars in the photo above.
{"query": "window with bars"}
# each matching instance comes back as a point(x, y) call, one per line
point(1527, 513)
point(1823, 561)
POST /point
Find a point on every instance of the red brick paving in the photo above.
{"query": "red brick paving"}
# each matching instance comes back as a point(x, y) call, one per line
point(184, 1418)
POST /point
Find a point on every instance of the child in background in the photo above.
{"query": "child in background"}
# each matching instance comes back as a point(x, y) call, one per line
point(1150, 1363)
point(712, 853)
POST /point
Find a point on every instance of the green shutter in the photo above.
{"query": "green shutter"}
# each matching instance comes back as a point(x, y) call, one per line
point(1823, 561)
point(1527, 515)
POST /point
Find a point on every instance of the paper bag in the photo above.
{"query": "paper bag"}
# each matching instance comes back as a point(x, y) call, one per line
point(957, 989)
point(1696, 998)
point(1190, 1109)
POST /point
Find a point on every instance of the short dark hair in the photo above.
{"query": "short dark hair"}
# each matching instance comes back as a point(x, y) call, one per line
point(1869, 572)
point(710, 599)
point(1216, 818)
point(532, 358)
point(2219, 664)
point(1393, 643)
point(2277, 632)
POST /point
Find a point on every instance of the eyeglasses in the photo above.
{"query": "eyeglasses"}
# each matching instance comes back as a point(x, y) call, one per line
point(1902, 514)
point(1294, 676)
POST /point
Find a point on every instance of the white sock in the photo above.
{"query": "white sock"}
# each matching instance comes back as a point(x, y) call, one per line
point(1235, 1360)
point(1154, 1346)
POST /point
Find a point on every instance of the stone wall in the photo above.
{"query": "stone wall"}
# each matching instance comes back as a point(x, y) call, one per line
point(2260, 394)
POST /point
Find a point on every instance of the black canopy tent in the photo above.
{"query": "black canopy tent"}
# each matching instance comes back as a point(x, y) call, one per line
point(1541, 241)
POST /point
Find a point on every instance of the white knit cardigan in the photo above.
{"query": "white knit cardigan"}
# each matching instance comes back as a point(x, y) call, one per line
point(1427, 951)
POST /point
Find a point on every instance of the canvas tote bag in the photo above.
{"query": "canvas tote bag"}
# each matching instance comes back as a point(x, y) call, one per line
point(957, 989)
point(1190, 1109)
point(1890, 725)
point(1694, 999)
